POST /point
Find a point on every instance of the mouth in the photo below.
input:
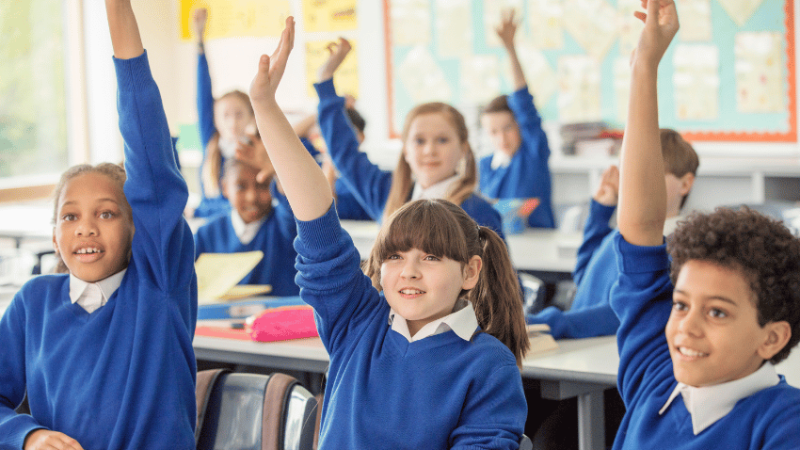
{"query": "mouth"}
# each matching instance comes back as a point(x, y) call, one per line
point(88, 254)
point(410, 293)
point(690, 354)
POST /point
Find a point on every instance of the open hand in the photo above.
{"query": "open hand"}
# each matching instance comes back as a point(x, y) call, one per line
point(199, 20)
point(608, 192)
point(270, 69)
point(254, 154)
point(507, 28)
point(660, 26)
point(337, 52)
point(42, 439)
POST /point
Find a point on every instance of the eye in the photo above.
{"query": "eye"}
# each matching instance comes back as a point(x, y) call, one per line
point(717, 313)
point(240, 186)
point(107, 215)
point(393, 256)
point(68, 217)
point(678, 305)
point(443, 140)
point(419, 141)
point(432, 258)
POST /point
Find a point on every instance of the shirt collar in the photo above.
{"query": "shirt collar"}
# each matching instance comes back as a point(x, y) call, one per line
point(500, 159)
point(107, 286)
point(462, 321)
point(438, 190)
point(708, 404)
point(246, 232)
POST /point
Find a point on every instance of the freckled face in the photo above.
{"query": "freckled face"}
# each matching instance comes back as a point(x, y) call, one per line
point(433, 148)
point(93, 230)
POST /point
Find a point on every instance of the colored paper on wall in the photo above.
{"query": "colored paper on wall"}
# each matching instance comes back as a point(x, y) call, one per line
point(578, 89)
point(695, 21)
point(480, 79)
point(346, 74)
point(329, 15)
point(593, 23)
point(410, 22)
point(759, 68)
point(454, 34)
point(740, 10)
point(544, 21)
point(696, 81)
point(235, 18)
point(622, 86)
point(423, 78)
point(628, 26)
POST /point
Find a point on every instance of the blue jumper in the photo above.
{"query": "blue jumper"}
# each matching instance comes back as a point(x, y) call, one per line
point(369, 184)
point(123, 376)
point(209, 206)
point(642, 298)
point(595, 272)
point(528, 174)
point(440, 392)
point(274, 238)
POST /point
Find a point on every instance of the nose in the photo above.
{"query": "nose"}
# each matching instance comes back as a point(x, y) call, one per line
point(250, 195)
point(428, 148)
point(86, 227)
point(691, 323)
point(410, 270)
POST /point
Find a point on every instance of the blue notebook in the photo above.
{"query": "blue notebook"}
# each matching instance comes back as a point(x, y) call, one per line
point(245, 308)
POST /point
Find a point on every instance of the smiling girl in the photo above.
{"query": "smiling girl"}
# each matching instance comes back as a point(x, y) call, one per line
point(426, 344)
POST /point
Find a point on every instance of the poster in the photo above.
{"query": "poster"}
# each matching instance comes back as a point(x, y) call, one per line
point(578, 89)
point(235, 18)
point(759, 71)
point(346, 76)
point(454, 34)
point(329, 15)
point(696, 81)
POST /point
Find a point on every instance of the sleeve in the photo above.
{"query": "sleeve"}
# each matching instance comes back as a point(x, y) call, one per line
point(205, 102)
point(642, 299)
point(331, 281)
point(155, 188)
point(14, 428)
point(594, 232)
point(368, 183)
point(588, 322)
point(781, 431)
point(494, 413)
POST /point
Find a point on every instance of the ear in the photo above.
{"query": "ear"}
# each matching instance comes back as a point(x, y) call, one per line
point(472, 272)
point(687, 181)
point(224, 186)
point(55, 243)
point(777, 335)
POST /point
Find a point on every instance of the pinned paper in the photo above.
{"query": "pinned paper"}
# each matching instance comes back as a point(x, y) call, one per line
point(480, 78)
point(454, 35)
point(231, 18)
point(329, 15)
point(578, 89)
point(218, 273)
point(695, 81)
point(622, 86)
point(423, 78)
point(545, 22)
point(629, 27)
point(593, 23)
point(740, 10)
point(695, 21)
point(411, 22)
point(759, 68)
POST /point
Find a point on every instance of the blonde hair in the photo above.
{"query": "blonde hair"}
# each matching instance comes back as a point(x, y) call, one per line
point(401, 177)
point(442, 228)
point(212, 165)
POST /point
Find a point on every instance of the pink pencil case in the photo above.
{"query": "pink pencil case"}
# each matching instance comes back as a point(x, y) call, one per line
point(282, 323)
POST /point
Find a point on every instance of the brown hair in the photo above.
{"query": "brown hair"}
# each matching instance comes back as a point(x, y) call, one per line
point(212, 165)
point(762, 249)
point(441, 228)
point(401, 177)
point(679, 156)
point(498, 104)
point(115, 172)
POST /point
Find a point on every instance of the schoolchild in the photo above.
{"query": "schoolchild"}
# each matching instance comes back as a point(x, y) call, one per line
point(518, 167)
point(436, 160)
point(699, 335)
point(105, 352)
point(427, 343)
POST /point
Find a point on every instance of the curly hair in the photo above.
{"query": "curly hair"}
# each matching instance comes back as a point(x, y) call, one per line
point(759, 247)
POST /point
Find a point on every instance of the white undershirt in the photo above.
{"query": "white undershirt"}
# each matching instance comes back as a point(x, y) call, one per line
point(708, 404)
point(462, 321)
point(434, 191)
point(500, 159)
point(246, 232)
point(91, 296)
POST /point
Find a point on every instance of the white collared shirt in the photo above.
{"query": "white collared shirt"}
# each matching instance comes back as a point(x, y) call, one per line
point(246, 232)
point(91, 296)
point(708, 404)
point(462, 321)
point(438, 190)
point(500, 159)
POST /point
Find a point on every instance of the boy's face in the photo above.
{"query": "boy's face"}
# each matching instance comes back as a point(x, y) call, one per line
point(251, 199)
point(93, 230)
point(503, 130)
point(713, 331)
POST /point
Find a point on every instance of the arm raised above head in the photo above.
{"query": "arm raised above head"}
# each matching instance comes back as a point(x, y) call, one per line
point(303, 182)
point(642, 201)
point(125, 38)
point(506, 32)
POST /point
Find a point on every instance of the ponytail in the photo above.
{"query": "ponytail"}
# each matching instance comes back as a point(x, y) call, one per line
point(212, 166)
point(497, 297)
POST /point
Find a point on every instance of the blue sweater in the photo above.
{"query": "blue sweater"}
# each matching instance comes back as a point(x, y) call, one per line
point(595, 272)
point(274, 238)
point(123, 376)
point(528, 174)
point(384, 392)
point(209, 206)
point(366, 181)
point(768, 419)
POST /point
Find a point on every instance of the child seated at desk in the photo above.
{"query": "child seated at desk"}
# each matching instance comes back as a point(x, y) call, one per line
point(729, 298)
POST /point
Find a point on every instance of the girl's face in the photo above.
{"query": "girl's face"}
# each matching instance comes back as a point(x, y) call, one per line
point(433, 148)
point(93, 230)
point(251, 199)
point(422, 287)
point(231, 117)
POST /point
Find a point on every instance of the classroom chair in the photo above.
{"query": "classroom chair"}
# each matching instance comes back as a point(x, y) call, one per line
point(533, 293)
point(240, 411)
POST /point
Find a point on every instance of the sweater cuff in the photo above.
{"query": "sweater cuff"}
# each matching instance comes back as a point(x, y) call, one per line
point(601, 211)
point(318, 234)
point(639, 259)
point(132, 72)
point(326, 89)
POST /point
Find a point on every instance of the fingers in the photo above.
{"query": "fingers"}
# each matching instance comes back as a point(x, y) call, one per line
point(281, 55)
point(50, 440)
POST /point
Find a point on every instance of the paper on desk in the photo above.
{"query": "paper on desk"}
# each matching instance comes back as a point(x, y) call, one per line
point(217, 273)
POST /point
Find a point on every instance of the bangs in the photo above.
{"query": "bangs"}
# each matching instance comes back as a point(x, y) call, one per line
point(425, 225)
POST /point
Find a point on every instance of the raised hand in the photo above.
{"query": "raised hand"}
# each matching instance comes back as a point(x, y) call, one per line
point(608, 192)
point(271, 68)
point(125, 38)
point(660, 26)
point(199, 21)
point(337, 52)
point(45, 439)
point(507, 29)
point(253, 153)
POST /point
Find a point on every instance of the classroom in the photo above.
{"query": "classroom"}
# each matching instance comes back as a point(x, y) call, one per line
point(566, 73)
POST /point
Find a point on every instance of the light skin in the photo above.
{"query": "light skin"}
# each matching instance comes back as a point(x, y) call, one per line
point(676, 187)
point(433, 149)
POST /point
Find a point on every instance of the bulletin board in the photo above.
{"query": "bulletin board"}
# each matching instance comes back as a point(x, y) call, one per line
point(729, 75)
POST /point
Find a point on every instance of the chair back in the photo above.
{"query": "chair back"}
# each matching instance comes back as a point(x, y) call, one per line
point(533, 293)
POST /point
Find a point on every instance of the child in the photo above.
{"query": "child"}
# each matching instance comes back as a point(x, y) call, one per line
point(707, 380)
point(518, 168)
point(254, 224)
point(223, 125)
point(117, 369)
point(435, 143)
point(411, 358)
point(590, 314)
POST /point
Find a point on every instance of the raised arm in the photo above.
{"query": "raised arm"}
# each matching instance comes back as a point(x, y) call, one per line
point(506, 31)
point(642, 205)
point(303, 182)
point(125, 38)
point(205, 99)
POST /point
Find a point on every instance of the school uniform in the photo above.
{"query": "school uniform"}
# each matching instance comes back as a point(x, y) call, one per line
point(370, 185)
point(121, 376)
point(273, 235)
point(448, 390)
point(755, 412)
point(526, 174)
